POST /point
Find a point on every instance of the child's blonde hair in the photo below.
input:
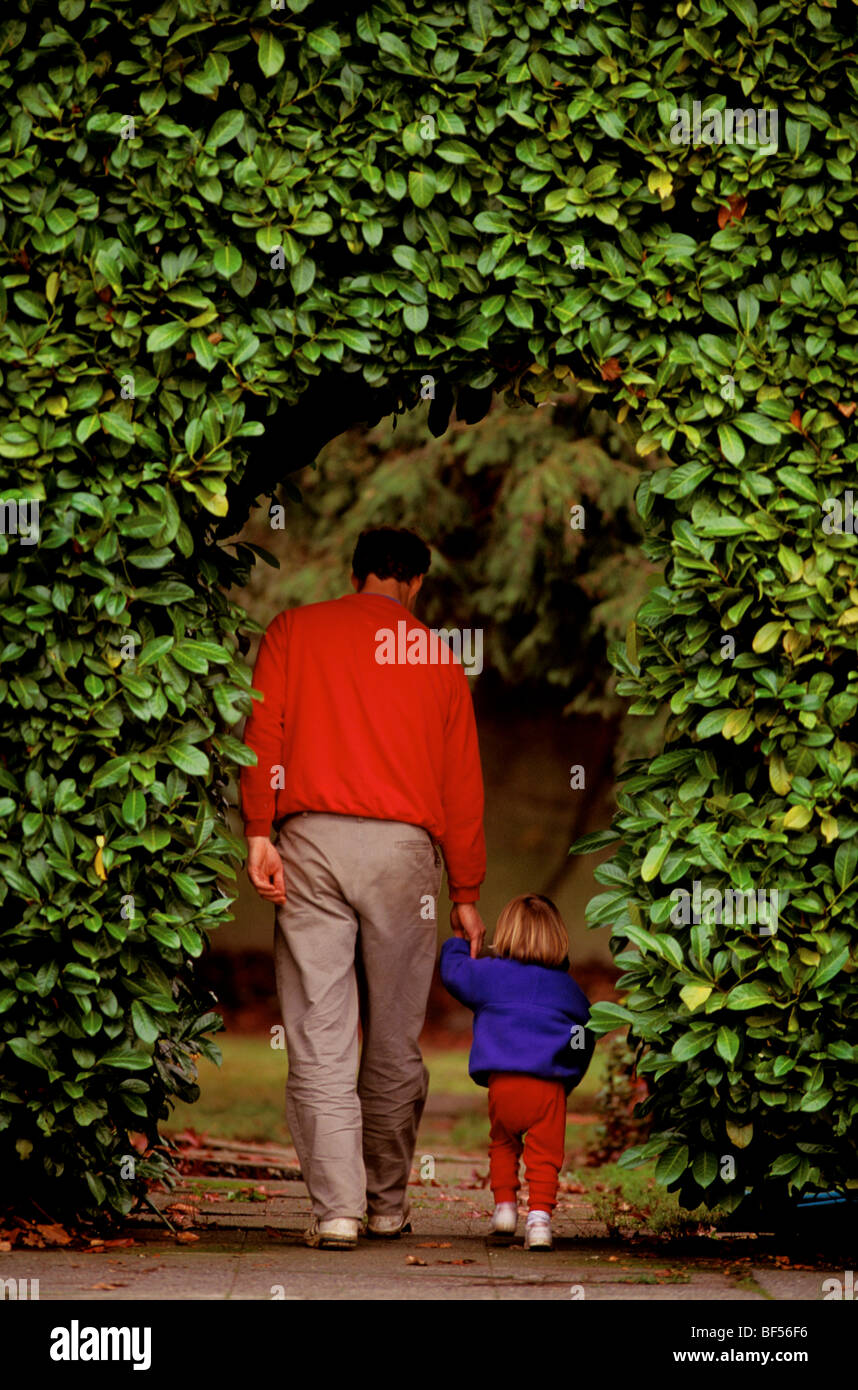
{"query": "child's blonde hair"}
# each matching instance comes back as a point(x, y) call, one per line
point(530, 929)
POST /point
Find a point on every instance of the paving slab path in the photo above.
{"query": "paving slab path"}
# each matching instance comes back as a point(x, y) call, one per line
point(239, 1239)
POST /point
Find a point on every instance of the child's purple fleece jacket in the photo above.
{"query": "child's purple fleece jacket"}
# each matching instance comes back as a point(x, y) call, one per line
point(523, 1015)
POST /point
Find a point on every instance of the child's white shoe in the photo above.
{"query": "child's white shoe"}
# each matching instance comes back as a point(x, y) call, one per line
point(537, 1232)
point(504, 1221)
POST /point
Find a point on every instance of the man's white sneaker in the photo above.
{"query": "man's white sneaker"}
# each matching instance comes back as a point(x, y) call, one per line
point(338, 1233)
point(504, 1221)
point(388, 1227)
point(537, 1232)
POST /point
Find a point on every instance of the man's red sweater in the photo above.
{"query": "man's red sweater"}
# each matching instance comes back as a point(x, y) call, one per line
point(338, 731)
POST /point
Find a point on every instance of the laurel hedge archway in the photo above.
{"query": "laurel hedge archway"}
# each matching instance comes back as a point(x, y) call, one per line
point(231, 229)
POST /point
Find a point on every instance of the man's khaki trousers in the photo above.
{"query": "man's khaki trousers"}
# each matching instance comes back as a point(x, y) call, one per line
point(355, 938)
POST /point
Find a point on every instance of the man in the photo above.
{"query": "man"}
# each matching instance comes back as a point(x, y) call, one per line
point(367, 760)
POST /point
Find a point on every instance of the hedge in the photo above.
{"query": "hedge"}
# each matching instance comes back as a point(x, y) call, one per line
point(229, 231)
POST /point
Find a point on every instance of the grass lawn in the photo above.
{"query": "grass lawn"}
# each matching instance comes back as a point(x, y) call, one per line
point(243, 1099)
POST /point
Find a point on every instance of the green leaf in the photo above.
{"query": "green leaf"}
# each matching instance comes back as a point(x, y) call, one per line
point(727, 1045)
point(694, 995)
point(415, 317)
point(154, 838)
point(846, 863)
point(165, 336)
point(134, 809)
point(226, 127)
point(767, 636)
point(596, 840)
point(315, 223)
point(655, 857)
point(28, 1052)
point(750, 995)
point(118, 426)
point(704, 1169)
point(798, 482)
point(421, 187)
point(86, 1111)
point(147, 1030)
point(114, 770)
point(690, 1044)
point(126, 1059)
point(731, 443)
point(758, 427)
point(326, 43)
point(456, 152)
point(605, 1017)
point(190, 759)
point(672, 1164)
point(721, 309)
point(686, 479)
point(271, 54)
point(227, 261)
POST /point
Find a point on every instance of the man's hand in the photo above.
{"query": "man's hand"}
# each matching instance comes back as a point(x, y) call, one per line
point(265, 869)
point(466, 922)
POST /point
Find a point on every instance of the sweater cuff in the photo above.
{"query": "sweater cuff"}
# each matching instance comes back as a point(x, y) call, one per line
point(258, 827)
point(464, 895)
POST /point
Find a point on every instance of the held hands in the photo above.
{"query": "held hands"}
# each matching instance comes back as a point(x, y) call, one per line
point(265, 869)
point(466, 922)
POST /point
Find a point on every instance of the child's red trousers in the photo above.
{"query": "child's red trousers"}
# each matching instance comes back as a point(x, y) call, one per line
point(528, 1115)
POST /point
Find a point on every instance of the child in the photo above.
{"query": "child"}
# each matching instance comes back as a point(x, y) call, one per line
point(530, 1048)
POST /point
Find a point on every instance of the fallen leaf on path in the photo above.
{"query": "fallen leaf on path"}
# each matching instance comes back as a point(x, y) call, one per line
point(455, 1262)
point(54, 1234)
point(434, 1245)
point(186, 1236)
point(414, 1260)
point(108, 1286)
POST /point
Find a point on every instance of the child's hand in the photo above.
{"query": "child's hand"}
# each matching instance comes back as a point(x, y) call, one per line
point(466, 922)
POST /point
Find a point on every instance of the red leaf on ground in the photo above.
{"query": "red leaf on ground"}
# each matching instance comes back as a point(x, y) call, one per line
point(186, 1236)
point(434, 1244)
point(54, 1235)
